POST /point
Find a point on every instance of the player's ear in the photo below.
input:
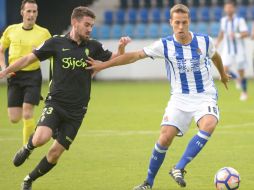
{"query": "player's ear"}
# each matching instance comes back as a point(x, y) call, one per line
point(73, 21)
point(21, 12)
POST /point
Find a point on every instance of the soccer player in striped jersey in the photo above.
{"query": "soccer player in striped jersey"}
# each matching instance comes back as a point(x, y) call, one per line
point(24, 87)
point(193, 94)
point(233, 31)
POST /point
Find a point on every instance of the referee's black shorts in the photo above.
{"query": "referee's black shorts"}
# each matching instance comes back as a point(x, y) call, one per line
point(64, 126)
point(24, 87)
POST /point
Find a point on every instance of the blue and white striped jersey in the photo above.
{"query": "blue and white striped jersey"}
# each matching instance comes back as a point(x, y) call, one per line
point(233, 46)
point(188, 66)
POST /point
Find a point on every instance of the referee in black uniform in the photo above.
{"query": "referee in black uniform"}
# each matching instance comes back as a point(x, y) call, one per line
point(67, 100)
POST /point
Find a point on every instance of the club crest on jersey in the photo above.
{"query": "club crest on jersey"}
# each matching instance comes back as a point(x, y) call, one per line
point(199, 51)
point(87, 52)
point(165, 119)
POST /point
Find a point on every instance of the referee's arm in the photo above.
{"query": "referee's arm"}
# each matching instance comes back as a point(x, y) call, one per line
point(2, 58)
point(19, 64)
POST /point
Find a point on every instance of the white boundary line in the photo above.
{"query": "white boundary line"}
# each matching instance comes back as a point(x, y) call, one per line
point(103, 133)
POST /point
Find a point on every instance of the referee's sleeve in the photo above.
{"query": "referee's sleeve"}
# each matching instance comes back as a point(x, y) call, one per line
point(45, 50)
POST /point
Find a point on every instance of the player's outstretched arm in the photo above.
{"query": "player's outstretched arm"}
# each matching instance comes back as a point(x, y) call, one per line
point(124, 59)
point(19, 64)
point(224, 77)
point(121, 46)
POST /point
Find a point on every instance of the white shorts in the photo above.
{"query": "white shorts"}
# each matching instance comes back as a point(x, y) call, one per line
point(180, 111)
point(237, 61)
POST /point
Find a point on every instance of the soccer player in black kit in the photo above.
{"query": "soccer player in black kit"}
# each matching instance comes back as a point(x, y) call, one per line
point(67, 100)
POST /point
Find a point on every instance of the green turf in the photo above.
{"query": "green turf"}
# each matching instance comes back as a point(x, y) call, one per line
point(112, 149)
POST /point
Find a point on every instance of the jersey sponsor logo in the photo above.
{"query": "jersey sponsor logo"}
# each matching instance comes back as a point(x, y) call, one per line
point(72, 63)
point(199, 52)
point(192, 65)
point(65, 49)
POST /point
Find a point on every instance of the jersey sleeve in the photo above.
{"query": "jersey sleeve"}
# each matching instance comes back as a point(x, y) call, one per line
point(222, 24)
point(155, 50)
point(45, 50)
point(211, 48)
point(242, 25)
point(101, 53)
point(5, 40)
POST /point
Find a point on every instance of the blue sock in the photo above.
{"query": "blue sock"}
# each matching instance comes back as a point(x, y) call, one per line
point(233, 75)
point(193, 148)
point(157, 158)
point(244, 84)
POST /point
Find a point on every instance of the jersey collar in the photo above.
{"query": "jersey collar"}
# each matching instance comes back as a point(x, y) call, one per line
point(69, 38)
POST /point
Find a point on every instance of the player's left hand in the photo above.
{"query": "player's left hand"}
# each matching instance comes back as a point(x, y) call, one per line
point(225, 79)
point(124, 41)
point(96, 66)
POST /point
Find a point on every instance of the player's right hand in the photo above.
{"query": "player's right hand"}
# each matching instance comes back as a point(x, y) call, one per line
point(2, 74)
point(225, 79)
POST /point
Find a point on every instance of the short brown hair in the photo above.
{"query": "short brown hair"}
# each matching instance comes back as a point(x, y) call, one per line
point(27, 1)
point(179, 8)
point(80, 12)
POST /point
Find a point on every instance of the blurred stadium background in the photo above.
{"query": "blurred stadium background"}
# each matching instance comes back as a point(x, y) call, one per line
point(115, 141)
point(143, 20)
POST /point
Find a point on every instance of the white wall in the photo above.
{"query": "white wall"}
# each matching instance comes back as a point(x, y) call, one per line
point(146, 69)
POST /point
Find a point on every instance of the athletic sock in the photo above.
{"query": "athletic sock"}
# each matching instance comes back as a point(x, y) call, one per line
point(41, 169)
point(30, 145)
point(28, 129)
point(244, 84)
point(193, 148)
point(233, 75)
point(157, 158)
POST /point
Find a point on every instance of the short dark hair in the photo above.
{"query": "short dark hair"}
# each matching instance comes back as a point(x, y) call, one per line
point(80, 12)
point(179, 8)
point(27, 1)
point(230, 2)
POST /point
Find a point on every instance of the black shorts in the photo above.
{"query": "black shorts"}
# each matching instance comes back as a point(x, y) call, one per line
point(64, 127)
point(24, 87)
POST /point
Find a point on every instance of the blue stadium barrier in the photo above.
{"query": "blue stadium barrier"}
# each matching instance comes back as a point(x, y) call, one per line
point(153, 30)
point(217, 13)
point(202, 27)
point(166, 15)
point(108, 17)
point(140, 31)
point(120, 16)
point(166, 30)
point(116, 31)
point(143, 14)
point(214, 29)
point(156, 15)
point(193, 27)
point(250, 25)
point(242, 11)
point(193, 14)
point(251, 12)
point(104, 32)
point(204, 14)
point(95, 32)
point(128, 30)
point(132, 16)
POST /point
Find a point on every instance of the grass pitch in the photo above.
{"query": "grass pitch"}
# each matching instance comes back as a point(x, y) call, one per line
point(114, 144)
